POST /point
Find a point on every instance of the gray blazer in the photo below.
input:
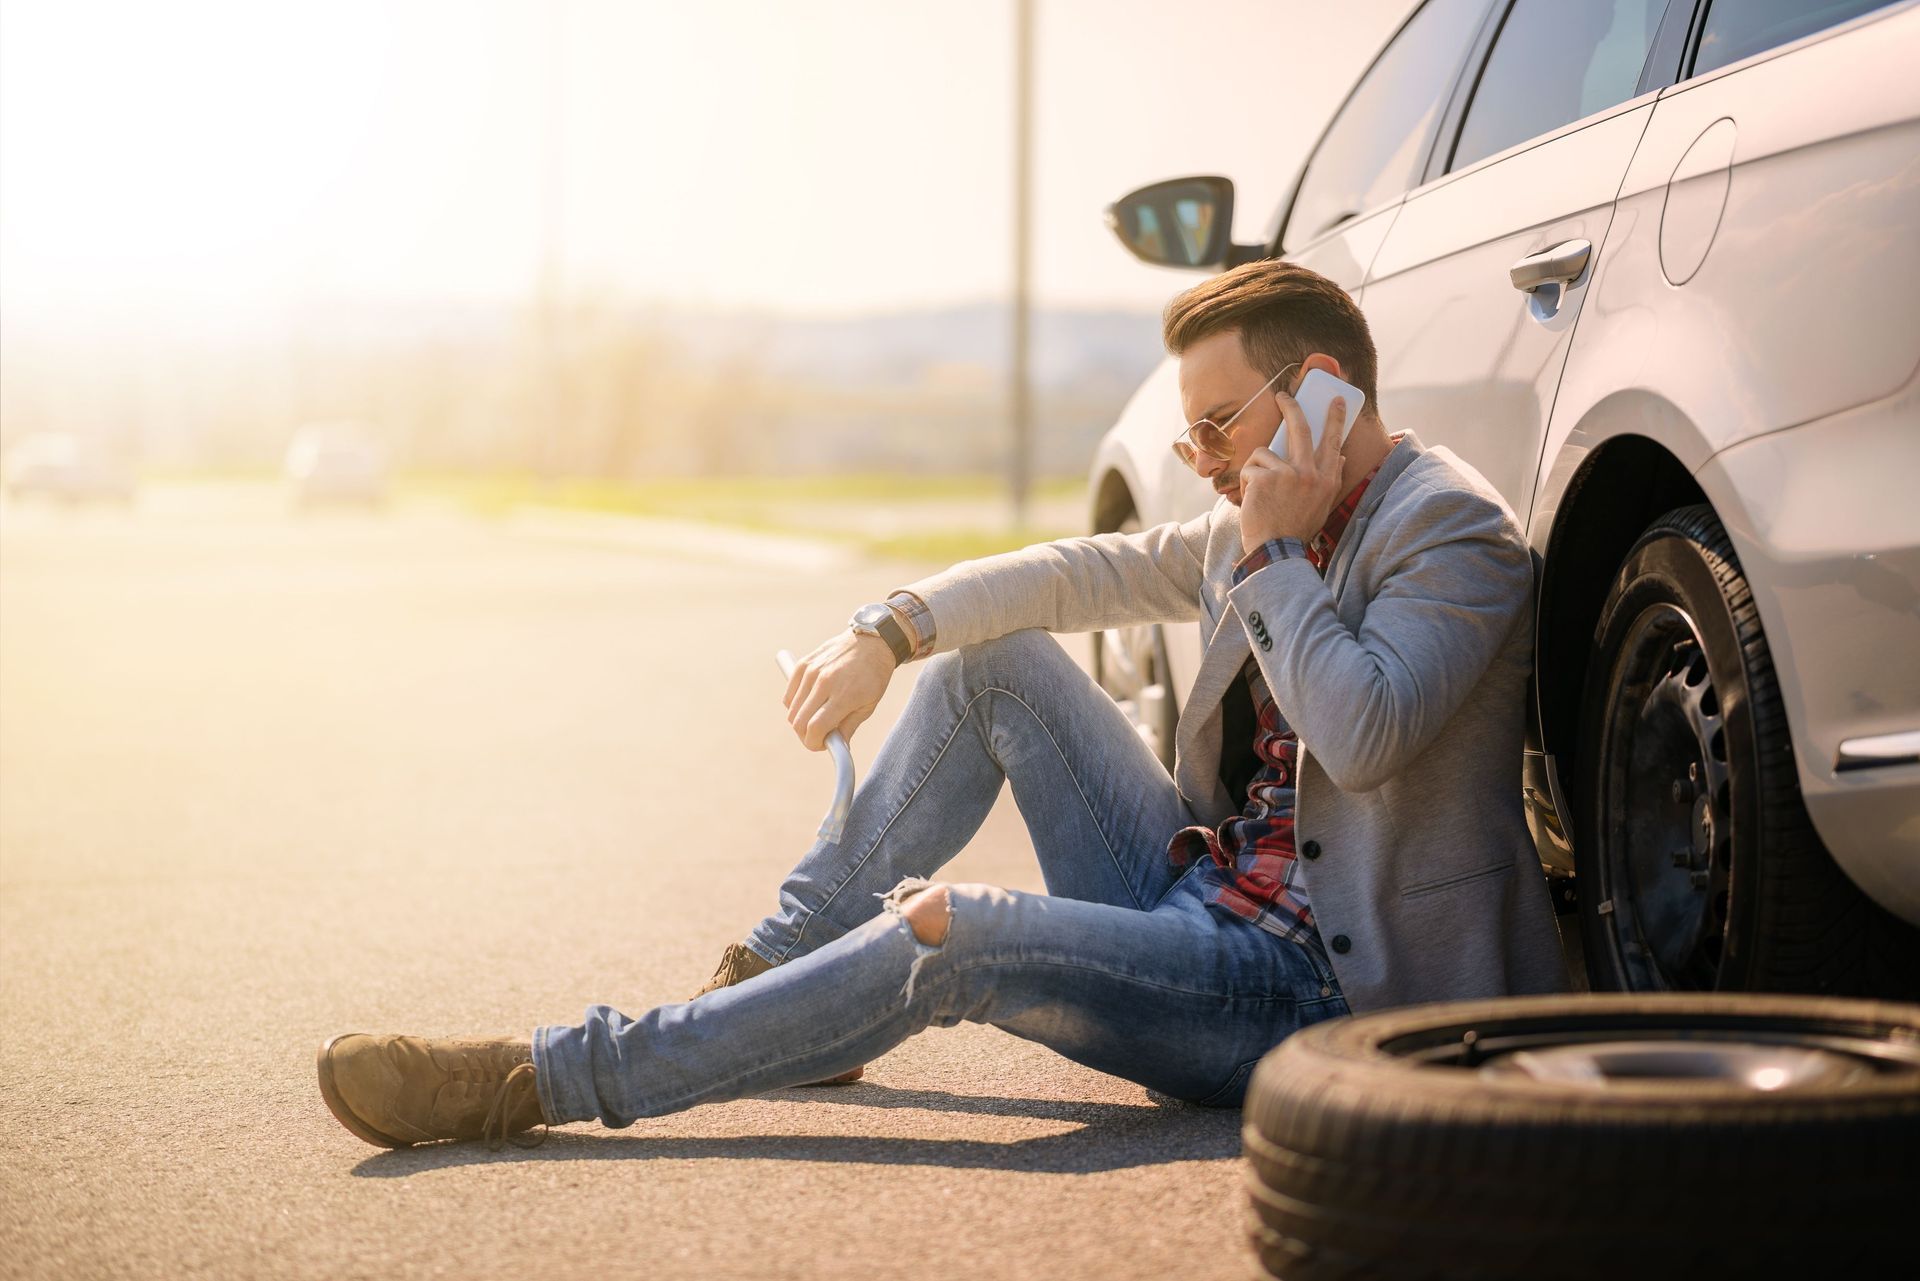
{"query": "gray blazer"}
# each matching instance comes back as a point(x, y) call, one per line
point(1404, 673)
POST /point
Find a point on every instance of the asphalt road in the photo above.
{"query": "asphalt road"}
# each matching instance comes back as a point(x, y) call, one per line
point(265, 779)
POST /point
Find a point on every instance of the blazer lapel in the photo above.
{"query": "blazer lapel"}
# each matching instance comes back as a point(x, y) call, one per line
point(1345, 554)
point(1398, 459)
point(1197, 737)
point(1226, 653)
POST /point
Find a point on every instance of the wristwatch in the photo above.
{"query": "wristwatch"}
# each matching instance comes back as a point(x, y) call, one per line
point(878, 619)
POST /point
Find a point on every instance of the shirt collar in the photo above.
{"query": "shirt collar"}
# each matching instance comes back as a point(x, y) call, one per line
point(1320, 546)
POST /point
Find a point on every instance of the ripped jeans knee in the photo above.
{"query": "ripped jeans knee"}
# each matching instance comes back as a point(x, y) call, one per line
point(895, 901)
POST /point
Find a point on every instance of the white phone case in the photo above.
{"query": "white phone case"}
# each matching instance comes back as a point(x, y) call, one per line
point(1317, 390)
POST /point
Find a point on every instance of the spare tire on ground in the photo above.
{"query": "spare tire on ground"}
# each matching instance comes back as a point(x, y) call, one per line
point(1614, 1136)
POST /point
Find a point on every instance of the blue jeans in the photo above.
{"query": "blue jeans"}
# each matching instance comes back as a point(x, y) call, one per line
point(1118, 966)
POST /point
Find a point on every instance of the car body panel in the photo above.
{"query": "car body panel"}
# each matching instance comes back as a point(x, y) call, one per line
point(1766, 312)
point(1138, 451)
point(1828, 533)
point(1465, 358)
point(1799, 321)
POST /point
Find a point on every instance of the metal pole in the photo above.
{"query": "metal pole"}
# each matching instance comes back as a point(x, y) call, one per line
point(550, 443)
point(1021, 391)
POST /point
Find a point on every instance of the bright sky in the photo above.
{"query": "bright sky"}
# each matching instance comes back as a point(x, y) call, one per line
point(196, 157)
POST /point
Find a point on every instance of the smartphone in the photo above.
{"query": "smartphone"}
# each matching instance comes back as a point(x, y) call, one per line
point(1317, 390)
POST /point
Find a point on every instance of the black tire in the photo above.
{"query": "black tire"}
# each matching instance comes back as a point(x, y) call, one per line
point(1698, 868)
point(1130, 660)
point(1420, 1143)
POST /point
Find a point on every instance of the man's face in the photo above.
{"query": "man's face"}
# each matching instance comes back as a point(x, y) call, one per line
point(1215, 382)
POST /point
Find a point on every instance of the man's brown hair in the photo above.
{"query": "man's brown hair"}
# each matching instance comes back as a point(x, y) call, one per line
point(1284, 312)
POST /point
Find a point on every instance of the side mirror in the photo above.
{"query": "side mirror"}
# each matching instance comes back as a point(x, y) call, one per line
point(1183, 222)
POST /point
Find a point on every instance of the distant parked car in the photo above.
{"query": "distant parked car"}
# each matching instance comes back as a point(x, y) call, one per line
point(67, 467)
point(336, 463)
point(1648, 265)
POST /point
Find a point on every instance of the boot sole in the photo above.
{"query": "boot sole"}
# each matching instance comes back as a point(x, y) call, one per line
point(845, 1078)
point(338, 1106)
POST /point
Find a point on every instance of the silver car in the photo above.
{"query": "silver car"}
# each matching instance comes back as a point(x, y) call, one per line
point(1652, 266)
point(68, 468)
point(336, 463)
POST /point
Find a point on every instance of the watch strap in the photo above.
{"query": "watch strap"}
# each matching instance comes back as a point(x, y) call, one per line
point(888, 628)
point(919, 617)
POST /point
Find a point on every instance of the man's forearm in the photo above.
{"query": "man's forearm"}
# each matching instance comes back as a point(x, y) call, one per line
point(1067, 585)
point(1368, 701)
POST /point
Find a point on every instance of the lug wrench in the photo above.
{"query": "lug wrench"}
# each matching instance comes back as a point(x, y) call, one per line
point(834, 825)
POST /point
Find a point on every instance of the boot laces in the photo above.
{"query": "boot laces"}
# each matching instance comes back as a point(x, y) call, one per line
point(501, 1111)
point(735, 965)
point(732, 965)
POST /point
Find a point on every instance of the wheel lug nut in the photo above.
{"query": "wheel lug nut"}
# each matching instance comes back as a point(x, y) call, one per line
point(1679, 790)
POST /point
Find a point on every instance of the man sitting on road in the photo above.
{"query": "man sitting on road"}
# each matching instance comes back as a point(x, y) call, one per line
point(1342, 831)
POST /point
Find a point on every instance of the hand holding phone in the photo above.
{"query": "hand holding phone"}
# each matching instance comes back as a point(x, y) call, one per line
point(1292, 500)
point(1317, 391)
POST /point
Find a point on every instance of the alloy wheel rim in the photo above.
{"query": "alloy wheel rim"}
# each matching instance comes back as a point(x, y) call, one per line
point(1666, 844)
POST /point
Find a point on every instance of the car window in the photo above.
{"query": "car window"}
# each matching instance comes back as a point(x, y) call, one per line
point(1554, 62)
point(1375, 146)
point(1737, 29)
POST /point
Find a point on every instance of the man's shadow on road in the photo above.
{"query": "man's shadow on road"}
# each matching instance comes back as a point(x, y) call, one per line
point(1111, 1136)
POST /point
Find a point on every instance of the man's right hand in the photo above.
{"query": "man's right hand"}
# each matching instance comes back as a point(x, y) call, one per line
point(837, 686)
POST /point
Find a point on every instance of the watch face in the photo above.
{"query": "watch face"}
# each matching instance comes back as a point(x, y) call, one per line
point(871, 615)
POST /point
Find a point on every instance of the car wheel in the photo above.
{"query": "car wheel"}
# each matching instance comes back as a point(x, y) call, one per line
point(1607, 1136)
point(1130, 663)
point(1698, 868)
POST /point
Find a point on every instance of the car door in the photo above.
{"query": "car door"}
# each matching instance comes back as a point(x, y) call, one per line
point(1522, 195)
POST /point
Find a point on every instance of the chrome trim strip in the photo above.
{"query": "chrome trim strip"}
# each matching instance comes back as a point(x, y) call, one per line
point(1880, 749)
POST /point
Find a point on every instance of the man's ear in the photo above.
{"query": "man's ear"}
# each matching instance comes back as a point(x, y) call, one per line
point(1321, 360)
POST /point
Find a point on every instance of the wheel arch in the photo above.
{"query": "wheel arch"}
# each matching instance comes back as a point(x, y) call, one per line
point(1112, 498)
point(1622, 485)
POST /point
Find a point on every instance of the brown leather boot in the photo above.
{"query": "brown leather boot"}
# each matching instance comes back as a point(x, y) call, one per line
point(396, 1091)
point(740, 963)
point(737, 965)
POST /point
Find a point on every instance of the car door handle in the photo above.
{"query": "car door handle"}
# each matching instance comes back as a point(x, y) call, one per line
point(1560, 265)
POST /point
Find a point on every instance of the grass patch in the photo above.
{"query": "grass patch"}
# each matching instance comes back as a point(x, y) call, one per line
point(680, 496)
point(807, 505)
point(949, 546)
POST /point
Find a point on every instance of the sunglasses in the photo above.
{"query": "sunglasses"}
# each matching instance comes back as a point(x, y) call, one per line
point(1212, 439)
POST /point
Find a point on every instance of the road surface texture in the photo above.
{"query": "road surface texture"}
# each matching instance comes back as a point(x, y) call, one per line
point(267, 778)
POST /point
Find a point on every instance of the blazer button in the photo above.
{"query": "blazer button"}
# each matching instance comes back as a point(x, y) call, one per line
point(1310, 850)
point(1342, 944)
